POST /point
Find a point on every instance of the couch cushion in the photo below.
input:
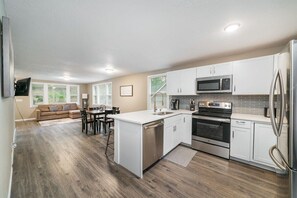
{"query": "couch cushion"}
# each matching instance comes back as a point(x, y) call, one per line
point(73, 106)
point(66, 107)
point(53, 108)
point(62, 112)
point(60, 107)
point(47, 113)
point(44, 109)
point(74, 111)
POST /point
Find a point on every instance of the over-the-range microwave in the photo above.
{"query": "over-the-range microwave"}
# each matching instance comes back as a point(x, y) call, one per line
point(215, 84)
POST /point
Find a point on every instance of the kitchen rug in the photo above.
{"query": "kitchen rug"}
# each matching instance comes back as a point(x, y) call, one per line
point(181, 155)
point(58, 121)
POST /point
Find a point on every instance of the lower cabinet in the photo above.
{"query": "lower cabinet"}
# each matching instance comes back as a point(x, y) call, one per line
point(187, 129)
point(264, 139)
point(251, 141)
point(172, 133)
point(241, 139)
point(177, 129)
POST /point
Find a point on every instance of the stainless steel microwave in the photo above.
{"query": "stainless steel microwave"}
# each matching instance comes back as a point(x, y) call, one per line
point(215, 84)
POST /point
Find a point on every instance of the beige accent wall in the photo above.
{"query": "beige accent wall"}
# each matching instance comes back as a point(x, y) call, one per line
point(127, 104)
point(6, 132)
point(22, 103)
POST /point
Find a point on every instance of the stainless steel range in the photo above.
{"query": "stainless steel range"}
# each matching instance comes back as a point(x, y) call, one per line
point(211, 128)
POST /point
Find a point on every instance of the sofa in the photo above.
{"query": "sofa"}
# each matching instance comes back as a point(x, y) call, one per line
point(57, 111)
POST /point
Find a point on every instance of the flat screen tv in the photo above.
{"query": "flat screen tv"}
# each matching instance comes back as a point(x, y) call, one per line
point(7, 60)
point(22, 87)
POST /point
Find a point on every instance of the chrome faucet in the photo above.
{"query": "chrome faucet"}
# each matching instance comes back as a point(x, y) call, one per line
point(155, 106)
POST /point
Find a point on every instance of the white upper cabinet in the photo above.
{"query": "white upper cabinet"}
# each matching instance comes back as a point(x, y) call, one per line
point(221, 69)
point(181, 82)
point(253, 76)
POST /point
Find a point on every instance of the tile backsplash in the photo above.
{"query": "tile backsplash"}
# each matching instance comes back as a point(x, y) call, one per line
point(253, 104)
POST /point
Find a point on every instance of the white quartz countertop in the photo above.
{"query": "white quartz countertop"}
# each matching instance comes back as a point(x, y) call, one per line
point(255, 118)
point(250, 117)
point(142, 117)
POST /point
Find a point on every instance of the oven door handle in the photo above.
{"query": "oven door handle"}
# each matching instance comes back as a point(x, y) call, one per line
point(225, 120)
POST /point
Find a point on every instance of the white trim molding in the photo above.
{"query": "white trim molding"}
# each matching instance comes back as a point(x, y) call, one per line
point(27, 119)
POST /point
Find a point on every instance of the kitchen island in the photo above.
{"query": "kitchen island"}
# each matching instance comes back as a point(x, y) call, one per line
point(128, 136)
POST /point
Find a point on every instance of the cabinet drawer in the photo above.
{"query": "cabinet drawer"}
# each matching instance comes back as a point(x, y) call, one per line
point(241, 124)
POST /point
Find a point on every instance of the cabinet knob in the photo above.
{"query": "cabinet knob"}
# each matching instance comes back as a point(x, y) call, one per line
point(13, 145)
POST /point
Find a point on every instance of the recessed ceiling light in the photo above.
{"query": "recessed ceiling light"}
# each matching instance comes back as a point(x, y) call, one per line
point(109, 70)
point(66, 78)
point(232, 27)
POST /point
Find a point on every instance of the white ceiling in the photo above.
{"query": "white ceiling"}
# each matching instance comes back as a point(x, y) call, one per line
point(79, 38)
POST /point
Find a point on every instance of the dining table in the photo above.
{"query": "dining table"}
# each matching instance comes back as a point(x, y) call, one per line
point(95, 114)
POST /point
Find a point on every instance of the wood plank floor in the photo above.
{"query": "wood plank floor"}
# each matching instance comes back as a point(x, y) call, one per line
point(60, 161)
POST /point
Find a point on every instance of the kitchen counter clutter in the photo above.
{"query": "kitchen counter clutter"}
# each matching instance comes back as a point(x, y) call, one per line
point(132, 132)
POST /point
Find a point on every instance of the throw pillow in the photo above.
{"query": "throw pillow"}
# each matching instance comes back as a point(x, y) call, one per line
point(66, 107)
point(53, 108)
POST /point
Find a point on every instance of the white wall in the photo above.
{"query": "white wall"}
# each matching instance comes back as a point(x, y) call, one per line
point(6, 133)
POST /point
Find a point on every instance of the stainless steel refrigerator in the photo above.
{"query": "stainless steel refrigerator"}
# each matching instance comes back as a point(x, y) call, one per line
point(283, 97)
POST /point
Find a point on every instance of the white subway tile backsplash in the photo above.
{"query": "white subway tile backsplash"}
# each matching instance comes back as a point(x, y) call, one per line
point(252, 104)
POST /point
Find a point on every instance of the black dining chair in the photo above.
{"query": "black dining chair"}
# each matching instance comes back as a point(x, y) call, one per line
point(85, 121)
point(115, 110)
point(105, 120)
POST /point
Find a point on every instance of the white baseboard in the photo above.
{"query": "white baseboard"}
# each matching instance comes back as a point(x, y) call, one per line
point(27, 119)
point(11, 170)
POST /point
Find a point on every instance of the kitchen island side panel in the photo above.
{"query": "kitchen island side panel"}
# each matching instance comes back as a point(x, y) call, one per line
point(128, 140)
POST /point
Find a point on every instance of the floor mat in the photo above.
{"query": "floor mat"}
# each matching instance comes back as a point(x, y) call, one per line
point(58, 121)
point(181, 155)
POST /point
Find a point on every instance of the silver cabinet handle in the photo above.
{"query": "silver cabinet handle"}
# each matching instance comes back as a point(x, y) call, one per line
point(184, 119)
point(232, 134)
point(13, 145)
point(234, 88)
point(240, 122)
point(279, 164)
point(153, 126)
point(277, 128)
point(211, 118)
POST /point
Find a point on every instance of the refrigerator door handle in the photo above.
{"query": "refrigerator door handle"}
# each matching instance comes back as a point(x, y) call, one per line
point(279, 164)
point(277, 128)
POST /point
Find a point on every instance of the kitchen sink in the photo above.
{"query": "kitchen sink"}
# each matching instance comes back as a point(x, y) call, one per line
point(163, 113)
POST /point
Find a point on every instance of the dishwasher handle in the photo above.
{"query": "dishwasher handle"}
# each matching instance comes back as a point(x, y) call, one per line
point(154, 125)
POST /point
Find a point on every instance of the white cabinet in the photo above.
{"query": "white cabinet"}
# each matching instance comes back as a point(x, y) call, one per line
point(181, 82)
point(221, 69)
point(172, 133)
point(253, 76)
point(241, 139)
point(264, 138)
point(186, 129)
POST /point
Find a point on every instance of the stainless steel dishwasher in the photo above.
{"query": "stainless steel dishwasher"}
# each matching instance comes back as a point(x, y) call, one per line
point(152, 143)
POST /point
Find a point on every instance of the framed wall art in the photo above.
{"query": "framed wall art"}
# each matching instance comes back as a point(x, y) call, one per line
point(126, 90)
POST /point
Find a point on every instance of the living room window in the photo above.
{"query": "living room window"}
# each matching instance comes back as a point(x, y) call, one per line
point(49, 93)
point(102, 94)
point(157, 89)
